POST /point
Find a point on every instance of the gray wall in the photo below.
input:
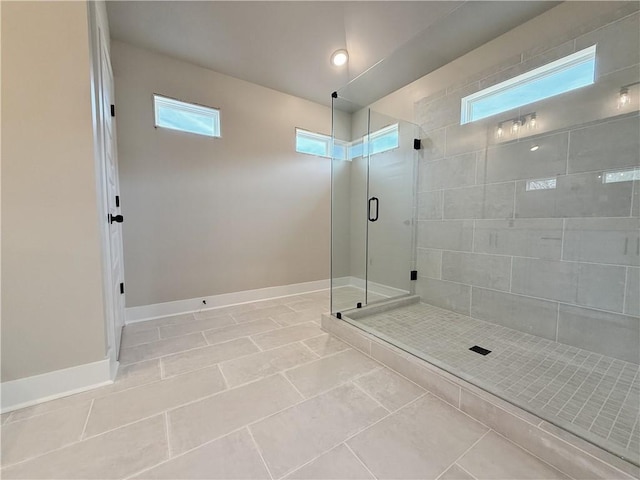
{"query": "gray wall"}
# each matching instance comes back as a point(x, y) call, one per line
point(559, 263)
point(209, 216)
point(52, 301)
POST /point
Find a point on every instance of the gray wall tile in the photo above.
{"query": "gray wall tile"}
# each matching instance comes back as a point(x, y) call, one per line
point(449, 172)
point(606, 333)
point(516, 161)
point(605, 146)
point(591, 285)
point(578, 195)
point(491, 271)
point(429, 263)
point(617, 45)
point(433, 145)
point(430, 205)
point(449, 295)
point(632, 295)
point(602, 240)
point(447, 234)
point(530, 315)
point(481, 201)
point(540, 238)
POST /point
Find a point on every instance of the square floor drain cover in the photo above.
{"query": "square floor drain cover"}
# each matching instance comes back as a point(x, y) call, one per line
point(480, 350)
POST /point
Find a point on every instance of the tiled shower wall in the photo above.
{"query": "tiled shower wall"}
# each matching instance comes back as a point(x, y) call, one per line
point(559, 263)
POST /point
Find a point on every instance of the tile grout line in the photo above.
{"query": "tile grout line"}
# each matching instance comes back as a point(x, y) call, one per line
point(86, 422)
point(466, 451)
point(255, 443)
point(290, 471)
point(166, 428)
point(224, 378)
point(369, 395)
point(465, 470)
point(358, 458)
point(288, 380)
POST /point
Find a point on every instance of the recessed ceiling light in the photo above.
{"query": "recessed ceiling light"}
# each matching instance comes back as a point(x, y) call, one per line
point(339, 57)
point(534, 148)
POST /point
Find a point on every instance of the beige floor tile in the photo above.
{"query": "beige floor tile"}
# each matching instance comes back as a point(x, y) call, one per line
point(206, 356)
point(263, 364)
point(236, 331)
point(326, 373)
point(231, 457)
point(132, 338)
point(456, 473)
point(186, 328)
point(160, 348)
point(295, 318)
point(136, 403)
point(326, 345)
point(419, 441)
point(220, 311)
point(261, 313)
point(116, 454)
point(303, 305)
point(129, 376)
point(389, 388)
point(494, 457)
point(160, 322)
point(295, 436)
point(285, 335)
point(338, 463)
point(197, 423)
point(43, 433)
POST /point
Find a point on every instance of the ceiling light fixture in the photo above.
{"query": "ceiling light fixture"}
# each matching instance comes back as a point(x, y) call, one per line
point(624, 98)
point(339, 57)
point(534, 148)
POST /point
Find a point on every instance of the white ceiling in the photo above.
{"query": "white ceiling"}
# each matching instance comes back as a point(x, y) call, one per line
point(286, 45)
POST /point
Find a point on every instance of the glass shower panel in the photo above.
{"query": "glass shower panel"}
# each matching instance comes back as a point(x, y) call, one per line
point(348, 206)
point(392, 162)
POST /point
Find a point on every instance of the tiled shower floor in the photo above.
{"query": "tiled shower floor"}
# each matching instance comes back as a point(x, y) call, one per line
point(594, 396)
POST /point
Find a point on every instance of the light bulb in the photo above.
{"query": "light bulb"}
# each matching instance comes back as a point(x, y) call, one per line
point(339, 58)
point(516, 126)
point(533, 121)
point(624, 98)
point(499, 131)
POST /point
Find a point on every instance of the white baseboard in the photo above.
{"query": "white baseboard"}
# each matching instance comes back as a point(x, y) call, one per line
point(158, 310)
point(29, 391)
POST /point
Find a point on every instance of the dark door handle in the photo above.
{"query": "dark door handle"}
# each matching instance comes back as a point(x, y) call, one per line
point(369, 209)
point(115, 218)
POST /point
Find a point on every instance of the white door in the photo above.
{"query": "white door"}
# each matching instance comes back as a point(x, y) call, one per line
point(113, 214)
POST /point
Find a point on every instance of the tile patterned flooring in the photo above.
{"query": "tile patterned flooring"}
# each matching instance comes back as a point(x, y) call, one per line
point(595, 396)
point(254, 391)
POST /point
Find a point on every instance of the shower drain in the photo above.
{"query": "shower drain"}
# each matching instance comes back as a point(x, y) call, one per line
point(480, 350)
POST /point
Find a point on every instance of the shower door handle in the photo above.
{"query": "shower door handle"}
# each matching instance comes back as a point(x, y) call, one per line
point(369, 209)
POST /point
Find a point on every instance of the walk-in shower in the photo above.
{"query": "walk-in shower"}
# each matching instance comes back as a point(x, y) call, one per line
point(505, 221)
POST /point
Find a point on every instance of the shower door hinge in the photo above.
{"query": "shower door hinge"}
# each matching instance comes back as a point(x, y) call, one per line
point(113, 110)
point(121, 288)
point(414, 274)
point(417, 144)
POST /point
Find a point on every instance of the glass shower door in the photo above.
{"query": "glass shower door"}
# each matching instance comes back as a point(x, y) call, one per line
point(392, 162)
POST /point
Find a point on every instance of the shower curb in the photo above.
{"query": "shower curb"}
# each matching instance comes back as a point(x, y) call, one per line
point(568, 453)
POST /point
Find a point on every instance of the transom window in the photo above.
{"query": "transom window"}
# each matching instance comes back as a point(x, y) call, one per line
point(569, 73)
point(320, 145)
point(186, 117)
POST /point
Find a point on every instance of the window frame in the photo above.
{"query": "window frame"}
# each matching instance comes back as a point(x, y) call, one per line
point(575, 59)
point(188, 107)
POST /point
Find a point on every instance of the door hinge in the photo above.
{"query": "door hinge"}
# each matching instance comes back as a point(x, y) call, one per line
point(414, 274)
point(121, 288)
point(417, 144)
point(117, 200)
point(113, 110)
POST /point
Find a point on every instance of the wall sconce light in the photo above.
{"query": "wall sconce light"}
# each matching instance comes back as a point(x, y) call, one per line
point(528, 120)
point(624, 98)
